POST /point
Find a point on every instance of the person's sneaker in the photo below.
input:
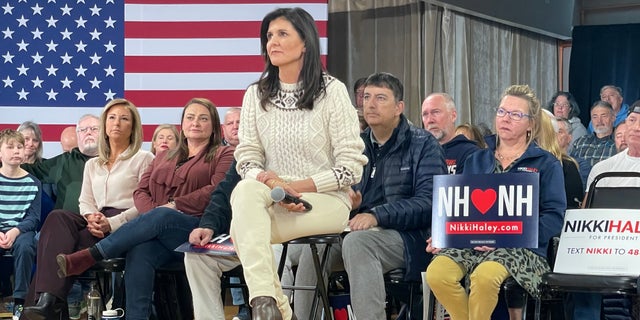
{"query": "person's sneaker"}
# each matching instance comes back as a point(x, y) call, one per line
point(75, 310)
point(244, 313)
point(17, 311)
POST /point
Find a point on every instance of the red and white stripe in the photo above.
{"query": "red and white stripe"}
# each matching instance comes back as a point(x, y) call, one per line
point(174, 51)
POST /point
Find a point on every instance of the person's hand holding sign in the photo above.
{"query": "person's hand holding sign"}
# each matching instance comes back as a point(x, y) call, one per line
point(484, 248)
point(431, 249)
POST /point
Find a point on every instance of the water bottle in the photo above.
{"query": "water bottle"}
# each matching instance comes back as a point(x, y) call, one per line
point(94, 303)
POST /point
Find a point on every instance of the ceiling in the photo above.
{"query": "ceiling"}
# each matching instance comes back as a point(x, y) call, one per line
point(600, 12)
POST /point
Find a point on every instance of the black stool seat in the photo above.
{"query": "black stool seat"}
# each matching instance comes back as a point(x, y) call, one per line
point(317, 239)
point(109, 265)
point(395, 276)
point(591, 283)
point(100, 273)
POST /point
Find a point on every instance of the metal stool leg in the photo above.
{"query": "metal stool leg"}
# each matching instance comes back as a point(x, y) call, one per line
point(321, 286)
point(283, 259)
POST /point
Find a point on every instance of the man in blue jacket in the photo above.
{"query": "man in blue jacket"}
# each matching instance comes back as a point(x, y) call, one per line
point(392, 204)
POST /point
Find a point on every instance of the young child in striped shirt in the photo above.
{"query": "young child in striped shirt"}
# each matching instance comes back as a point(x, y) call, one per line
point(19, 213)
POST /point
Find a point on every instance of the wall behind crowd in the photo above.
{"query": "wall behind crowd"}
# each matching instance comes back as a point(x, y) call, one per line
point(435, 46)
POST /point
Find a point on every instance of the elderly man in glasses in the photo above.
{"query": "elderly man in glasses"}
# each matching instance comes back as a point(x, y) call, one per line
point(65, 170)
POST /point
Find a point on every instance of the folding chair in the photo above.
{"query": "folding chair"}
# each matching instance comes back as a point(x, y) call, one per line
point(598, 197)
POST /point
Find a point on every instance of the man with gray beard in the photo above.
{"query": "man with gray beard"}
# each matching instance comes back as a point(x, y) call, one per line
point(65, 171)
point(439, 118)
point(600, 144)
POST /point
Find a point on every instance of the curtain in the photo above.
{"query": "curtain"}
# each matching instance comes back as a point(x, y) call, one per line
point(474, 60)
point(432, 49)
point(602, 55)
point(377, 36)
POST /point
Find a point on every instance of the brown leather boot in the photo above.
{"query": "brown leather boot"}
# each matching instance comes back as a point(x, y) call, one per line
point(265, 308)
point(74, 264)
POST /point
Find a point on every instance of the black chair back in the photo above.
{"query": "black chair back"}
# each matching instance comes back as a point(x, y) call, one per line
point(613, 197)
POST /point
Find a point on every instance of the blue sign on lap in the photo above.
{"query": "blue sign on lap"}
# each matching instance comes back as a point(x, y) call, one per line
point(494, 210)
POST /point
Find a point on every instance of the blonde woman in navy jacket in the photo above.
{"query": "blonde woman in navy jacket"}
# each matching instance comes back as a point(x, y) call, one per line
point(512, 150)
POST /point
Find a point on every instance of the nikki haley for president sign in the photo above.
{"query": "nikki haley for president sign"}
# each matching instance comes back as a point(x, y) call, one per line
point(495, 210)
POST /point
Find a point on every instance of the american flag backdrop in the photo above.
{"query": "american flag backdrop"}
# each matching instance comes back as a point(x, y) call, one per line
point(60, 59)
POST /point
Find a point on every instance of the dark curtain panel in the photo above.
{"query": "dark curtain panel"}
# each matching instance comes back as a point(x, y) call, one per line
point(602, 55)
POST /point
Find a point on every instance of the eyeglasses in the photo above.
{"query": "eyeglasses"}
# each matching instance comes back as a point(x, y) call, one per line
point(561, 105)
point(607, 97)
point(87, 129)
point(513, 115)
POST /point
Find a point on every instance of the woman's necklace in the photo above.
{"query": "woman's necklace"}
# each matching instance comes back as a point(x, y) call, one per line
point(507, 157)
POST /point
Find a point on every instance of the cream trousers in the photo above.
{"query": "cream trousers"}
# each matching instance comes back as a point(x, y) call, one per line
point(257, 223)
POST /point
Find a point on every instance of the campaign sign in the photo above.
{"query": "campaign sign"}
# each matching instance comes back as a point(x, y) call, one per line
point(221, 245)
point(600, 242)
point(495, 210)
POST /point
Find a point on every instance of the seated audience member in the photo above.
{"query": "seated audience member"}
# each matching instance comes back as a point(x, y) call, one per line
point(165, 137)
point(33, 154)
point(472, 133)
point(439, 117)
point(171, 195)
point(391, 216)
point(618, 136)
point(358, 93)
point(19, 213)
point(68, 139)
point(588, 305)
point(204, 271)
point(599, 145)
point(320, 162)
point(63, 173)
point(65, 170)
point(513, 149)
point(548, 140)
point(105, 203)
point(32, 141)
point(564, 139)
point(564, 105)
point(484, 129)
point(613, 95)
point(230, 127)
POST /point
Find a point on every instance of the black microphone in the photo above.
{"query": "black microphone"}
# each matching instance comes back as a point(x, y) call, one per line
point(279, 195)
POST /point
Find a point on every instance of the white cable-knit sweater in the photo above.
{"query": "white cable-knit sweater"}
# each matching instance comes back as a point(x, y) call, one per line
point(323, 144)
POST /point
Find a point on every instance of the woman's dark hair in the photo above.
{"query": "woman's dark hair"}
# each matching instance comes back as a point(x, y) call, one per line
point(313, 85)
point(359, 83)
point(574, 110)
point(181, 151)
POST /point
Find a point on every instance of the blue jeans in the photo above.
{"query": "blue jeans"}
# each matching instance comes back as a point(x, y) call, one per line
point(586, 306)
point(149, 241)
point(24, 255)
point(236, 293)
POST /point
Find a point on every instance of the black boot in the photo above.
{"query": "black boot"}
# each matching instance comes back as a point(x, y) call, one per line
point(265, 308)
point(48, 307)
